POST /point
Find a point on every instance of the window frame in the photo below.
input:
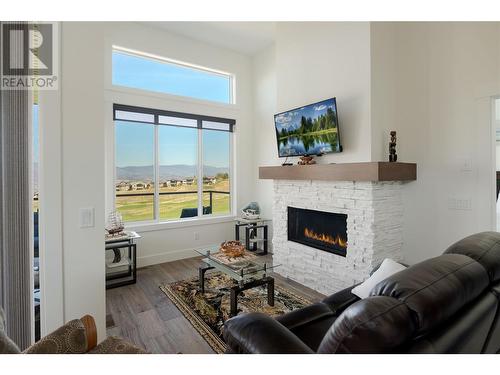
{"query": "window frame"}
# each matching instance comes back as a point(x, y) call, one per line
point(135, 53)
point(156, 195)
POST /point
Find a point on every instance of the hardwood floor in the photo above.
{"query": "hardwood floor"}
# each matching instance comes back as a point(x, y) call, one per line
point(144, 315)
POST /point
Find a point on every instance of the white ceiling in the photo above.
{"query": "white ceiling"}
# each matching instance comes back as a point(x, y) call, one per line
point(243, 37)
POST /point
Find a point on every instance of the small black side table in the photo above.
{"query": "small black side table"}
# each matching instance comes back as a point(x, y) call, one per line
point(122, 269)
point(252, 238)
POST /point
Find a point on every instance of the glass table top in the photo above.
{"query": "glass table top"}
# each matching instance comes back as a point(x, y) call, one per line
point(248, 266)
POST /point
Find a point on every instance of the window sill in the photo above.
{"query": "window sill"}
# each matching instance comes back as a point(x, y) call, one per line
point(150, 227)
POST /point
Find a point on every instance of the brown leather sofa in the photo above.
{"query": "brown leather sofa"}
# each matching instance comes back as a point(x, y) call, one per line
point(447, 304)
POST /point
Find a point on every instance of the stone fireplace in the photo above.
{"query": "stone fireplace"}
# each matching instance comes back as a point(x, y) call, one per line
point(373, 215)
point(369, 205)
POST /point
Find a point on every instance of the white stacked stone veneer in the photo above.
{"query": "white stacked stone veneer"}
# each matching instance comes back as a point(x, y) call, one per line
point(374, 230)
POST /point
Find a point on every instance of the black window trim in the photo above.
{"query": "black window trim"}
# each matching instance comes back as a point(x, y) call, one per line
point(158, 112)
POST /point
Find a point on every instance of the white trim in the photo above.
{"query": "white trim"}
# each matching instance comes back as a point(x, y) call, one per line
point(152, 56)
point(165, 96)
point(185, 223)
point(31, 101)
point(50, 228)
point(493, 168)
point(200, 164)
point(156, 177)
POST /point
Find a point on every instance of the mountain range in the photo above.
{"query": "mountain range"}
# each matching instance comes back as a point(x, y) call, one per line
point(167, 172)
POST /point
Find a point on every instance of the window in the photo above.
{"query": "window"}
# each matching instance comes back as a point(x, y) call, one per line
point(171, 166)
point(162, 75)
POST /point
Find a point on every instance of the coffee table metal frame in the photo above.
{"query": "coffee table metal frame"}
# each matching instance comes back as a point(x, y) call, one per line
point(245, 280)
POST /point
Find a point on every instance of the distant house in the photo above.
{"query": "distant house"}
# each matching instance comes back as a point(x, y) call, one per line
point(209, 180)
point(122, 186)
point(175, 182)
point(138, 185)
point(189, 181)
point(165, 184)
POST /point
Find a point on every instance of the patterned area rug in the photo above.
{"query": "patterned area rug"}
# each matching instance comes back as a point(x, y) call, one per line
point(208, 311)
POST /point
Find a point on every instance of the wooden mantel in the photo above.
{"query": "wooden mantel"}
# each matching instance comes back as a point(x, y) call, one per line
point(370, 171)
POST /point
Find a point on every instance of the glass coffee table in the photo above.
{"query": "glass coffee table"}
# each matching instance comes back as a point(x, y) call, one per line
point(249, 271)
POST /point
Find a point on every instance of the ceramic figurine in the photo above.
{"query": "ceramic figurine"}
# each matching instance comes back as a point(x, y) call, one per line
point(392, 148)
point(251, 211)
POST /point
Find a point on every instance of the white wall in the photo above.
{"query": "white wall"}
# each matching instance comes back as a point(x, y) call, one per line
point(443, 77)
point(383, 87)
point(265, 148)
point(319, 60)
point(82, 92)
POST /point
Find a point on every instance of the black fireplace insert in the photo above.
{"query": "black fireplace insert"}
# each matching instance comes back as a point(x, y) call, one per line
point(322, 230)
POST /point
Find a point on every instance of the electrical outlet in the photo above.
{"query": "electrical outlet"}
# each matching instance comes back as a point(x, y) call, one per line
point(196, 236)
point(464, 204)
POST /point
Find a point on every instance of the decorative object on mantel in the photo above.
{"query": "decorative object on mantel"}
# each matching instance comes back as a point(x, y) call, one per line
point(251, 211)
point(306, 160)
point(393, 157)
point(232, 249)
point(286, 163)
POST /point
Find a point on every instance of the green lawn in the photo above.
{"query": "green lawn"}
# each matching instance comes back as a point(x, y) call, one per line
point(142, 208)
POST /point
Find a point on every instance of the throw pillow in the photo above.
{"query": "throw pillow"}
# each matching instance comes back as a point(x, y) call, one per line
point(386, 269)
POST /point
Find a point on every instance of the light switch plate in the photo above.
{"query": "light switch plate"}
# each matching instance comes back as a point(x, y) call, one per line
point(87, 217)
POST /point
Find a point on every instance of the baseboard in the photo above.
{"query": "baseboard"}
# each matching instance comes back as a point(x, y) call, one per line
point(170, 256)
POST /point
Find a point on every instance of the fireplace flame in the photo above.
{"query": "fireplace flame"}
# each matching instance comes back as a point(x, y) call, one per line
point(339, 241)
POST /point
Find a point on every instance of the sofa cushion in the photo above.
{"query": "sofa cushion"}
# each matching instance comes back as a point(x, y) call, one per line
point(484, 248)
point(437, 288)
point(372, 325)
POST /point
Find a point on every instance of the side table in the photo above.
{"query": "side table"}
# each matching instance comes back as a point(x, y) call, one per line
point(253, 242)
point(122, 268)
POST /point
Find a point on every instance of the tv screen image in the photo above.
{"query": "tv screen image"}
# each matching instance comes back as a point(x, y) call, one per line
point(309, 130)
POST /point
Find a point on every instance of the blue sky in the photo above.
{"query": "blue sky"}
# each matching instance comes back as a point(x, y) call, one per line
point(153, 75)
point(291, 119)
point(177, 145)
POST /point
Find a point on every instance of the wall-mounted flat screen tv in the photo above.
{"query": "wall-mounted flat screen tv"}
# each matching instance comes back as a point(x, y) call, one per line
point(309, 130)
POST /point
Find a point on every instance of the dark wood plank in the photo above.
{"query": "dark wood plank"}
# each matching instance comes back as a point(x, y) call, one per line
point(370, 171)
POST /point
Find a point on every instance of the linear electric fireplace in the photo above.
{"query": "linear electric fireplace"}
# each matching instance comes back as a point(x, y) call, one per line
point(322, 230)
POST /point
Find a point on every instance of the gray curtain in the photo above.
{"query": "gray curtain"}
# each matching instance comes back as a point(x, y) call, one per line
point(15, 211)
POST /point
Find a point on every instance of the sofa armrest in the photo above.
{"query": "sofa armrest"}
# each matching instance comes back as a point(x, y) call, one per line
point(258, 333)
point(78, 336)
point(341, 300)
point(306, 315)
